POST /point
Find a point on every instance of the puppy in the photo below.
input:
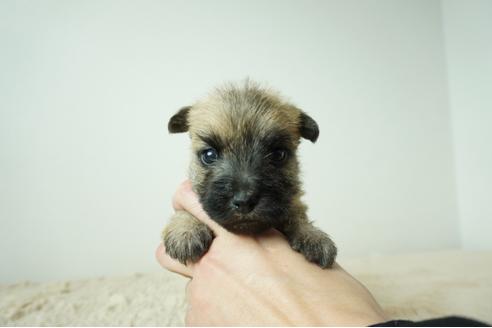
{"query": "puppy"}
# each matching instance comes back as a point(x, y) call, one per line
point(245, 171)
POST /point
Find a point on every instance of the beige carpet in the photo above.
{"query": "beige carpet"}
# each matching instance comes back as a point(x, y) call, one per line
point(414, 286)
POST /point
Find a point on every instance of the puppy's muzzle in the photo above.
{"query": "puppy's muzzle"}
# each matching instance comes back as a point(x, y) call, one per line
point(245, 193)
point(243, 202)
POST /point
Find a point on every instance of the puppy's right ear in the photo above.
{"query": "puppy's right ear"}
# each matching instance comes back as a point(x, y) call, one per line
point(179, 122)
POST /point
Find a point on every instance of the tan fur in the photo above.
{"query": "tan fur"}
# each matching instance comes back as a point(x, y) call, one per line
point(213, 113)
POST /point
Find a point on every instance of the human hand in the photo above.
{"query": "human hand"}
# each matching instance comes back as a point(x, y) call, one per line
point(260, 280)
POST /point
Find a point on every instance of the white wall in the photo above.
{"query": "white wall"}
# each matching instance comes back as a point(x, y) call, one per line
point(468, 35)
point(88, 169)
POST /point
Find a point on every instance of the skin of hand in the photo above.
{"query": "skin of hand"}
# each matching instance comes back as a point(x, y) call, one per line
point(260, 280)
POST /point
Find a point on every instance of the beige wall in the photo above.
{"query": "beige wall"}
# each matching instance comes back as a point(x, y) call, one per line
point(86, 89)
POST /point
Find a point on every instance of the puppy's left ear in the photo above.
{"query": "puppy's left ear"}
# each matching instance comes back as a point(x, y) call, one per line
point(179, 122)
point(308, 127)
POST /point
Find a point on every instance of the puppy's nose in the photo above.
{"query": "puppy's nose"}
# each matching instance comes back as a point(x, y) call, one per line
point(242, 202)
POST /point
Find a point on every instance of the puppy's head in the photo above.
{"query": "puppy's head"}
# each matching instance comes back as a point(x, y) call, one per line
point(244, 165)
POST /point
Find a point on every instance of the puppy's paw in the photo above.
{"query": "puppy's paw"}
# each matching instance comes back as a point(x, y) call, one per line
point(316, 246)
point(187, 243)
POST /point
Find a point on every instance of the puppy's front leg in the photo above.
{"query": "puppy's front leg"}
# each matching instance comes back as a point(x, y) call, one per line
point(186, 238)
point(314, 244)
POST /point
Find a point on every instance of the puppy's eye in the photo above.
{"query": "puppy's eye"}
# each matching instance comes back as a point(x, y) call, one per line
point(209, 156)
point(278, 155)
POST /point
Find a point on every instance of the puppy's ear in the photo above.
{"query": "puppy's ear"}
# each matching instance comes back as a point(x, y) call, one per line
point(179, 122)
point(308, 127)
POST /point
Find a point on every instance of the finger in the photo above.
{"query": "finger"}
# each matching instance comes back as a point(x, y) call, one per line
point(186, 199)
point(190, 320)
point(171, 264)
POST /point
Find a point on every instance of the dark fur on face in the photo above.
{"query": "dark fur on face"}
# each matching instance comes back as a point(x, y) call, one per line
point(244, 161)
point(250, 171)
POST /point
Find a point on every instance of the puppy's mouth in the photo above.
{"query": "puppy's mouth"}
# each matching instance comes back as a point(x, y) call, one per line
point(245, 225)
point(265, 213)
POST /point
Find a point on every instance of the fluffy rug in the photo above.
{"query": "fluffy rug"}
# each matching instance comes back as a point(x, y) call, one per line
point(416, 286)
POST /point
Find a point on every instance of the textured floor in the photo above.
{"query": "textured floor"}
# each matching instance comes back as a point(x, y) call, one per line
point(412, 286)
